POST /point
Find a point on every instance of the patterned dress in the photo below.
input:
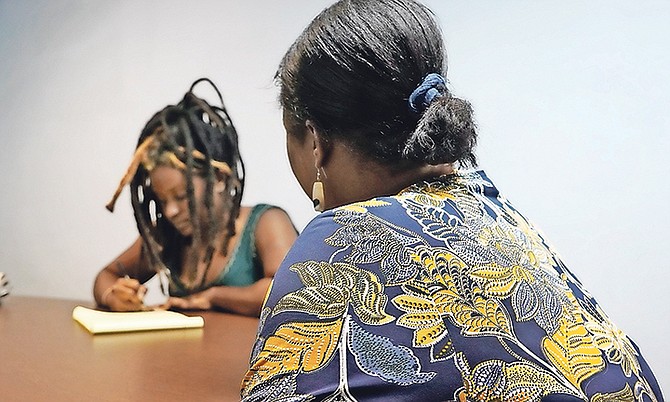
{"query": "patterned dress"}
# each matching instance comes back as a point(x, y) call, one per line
point(442, 292)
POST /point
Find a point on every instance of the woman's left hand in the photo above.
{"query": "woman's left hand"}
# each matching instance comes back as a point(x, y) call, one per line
point(196, 301)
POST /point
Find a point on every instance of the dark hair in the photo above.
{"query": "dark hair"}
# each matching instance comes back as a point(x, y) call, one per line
point(191, 125)
point(352, 71)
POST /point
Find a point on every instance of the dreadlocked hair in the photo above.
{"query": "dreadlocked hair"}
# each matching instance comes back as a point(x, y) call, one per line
point(200, 136)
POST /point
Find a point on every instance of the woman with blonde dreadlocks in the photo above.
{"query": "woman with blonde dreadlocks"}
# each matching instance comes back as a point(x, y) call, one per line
point(186, 181)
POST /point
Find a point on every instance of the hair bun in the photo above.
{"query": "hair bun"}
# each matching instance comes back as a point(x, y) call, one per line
point(445, 133)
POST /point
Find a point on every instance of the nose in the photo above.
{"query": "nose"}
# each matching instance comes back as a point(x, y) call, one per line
point(170, 209)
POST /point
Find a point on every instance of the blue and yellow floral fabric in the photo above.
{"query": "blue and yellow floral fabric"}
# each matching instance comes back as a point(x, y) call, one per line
point(443, 292)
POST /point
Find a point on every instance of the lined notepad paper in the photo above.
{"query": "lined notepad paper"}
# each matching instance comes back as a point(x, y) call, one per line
point(99, 322)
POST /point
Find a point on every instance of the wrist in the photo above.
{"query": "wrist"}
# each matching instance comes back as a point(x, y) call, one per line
point(209, 294)
point(210, 297)
point(105, 296)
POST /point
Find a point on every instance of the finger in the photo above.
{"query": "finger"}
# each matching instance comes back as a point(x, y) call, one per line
point(177, 302)
point(157, 307)
point(130, 283)
point(141, 292)
point(130, 290)
point(121, 305)
point(127, 298)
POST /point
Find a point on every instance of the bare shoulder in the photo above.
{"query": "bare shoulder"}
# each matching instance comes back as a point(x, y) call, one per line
point(274, 219)
point(275, 229)
point(274, 235)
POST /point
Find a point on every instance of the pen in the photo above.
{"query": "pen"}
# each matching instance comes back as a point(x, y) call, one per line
point(141, 291)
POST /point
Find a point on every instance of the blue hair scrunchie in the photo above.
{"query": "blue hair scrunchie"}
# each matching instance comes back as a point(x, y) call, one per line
point(432, 86)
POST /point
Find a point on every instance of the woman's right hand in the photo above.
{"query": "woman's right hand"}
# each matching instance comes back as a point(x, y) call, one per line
point(126, 294)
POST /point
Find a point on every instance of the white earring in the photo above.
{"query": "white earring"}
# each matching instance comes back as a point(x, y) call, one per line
point(318, 196)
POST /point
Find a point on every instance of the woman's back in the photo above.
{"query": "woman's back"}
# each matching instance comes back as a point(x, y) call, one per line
point(442, 292)
point(415, 284)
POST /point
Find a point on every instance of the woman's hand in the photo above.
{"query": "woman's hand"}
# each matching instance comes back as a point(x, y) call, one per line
point(126, 294)
point(196, 301)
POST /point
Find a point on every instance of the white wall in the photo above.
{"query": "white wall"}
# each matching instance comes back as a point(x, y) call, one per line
point(571, 97)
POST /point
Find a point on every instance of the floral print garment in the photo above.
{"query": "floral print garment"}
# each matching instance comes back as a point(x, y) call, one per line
point(443, 292)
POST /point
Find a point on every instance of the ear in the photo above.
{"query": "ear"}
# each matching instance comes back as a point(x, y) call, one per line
point(219, 186)
point(220, 183)
point(320, 144)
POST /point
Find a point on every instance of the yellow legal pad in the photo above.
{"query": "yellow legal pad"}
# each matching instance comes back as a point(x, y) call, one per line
point(100, 322)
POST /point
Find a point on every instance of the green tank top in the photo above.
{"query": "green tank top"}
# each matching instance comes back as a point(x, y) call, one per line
point(243, 268)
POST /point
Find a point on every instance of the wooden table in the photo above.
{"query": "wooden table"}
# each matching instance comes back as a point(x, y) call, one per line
point(47, 356)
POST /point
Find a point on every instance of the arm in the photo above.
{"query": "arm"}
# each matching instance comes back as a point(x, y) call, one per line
point(275, 235)
point(309, 250)
point(118, 285)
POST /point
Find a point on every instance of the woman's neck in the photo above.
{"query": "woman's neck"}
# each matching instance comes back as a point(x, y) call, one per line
point(349, 178)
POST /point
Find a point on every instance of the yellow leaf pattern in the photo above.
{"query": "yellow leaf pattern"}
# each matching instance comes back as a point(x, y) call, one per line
point(331, 288)
point(572, 350)
point(611, 340)
point(294, 347)
point(423, 317)
point(363, 206)
point(624, 395)
point(445, 293)
point(496, 380)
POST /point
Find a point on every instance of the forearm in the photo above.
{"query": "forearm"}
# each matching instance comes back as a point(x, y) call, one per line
point(118, 293)
point(103, 282)
point(245, 300)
